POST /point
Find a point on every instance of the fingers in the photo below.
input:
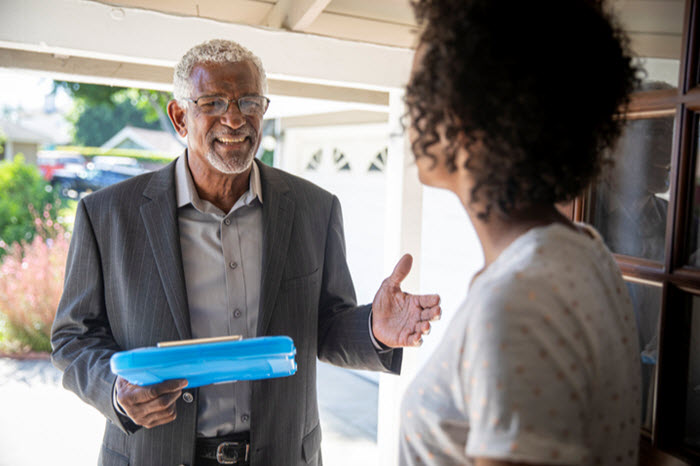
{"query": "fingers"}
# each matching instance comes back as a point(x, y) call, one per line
point(169, 386)
point(429, 300)
point(152, 405)
point(160, 418)
point(423, 328)
point(415, 340)
point(138, 395)
point(156, 405)
point(431, 314)
point(159, 411)
point(413, 337)
point(403, 267)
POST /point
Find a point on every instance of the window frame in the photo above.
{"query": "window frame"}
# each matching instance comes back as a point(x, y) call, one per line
point(679, 282)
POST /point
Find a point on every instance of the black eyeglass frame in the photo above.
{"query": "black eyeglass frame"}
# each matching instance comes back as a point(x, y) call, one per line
point(228, 104)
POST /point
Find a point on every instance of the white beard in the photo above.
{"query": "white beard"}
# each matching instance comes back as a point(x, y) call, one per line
point(232, 166)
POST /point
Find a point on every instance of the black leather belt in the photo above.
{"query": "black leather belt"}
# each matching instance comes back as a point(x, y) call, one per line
point(231, 449)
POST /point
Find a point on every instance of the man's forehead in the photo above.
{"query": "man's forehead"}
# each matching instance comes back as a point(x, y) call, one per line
point(224, 75)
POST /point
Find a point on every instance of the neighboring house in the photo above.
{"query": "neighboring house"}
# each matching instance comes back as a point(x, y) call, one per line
point(51, 123)
point(154, 140)
point(22, 140)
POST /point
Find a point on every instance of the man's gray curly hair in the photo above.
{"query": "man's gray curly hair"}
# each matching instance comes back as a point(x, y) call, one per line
point(216, 51)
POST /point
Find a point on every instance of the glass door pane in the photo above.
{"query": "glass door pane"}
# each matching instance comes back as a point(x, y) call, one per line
point(646, 300)
point(693, 253)
point(629, 206)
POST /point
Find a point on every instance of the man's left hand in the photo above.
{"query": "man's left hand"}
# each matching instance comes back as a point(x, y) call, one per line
point(398, 318)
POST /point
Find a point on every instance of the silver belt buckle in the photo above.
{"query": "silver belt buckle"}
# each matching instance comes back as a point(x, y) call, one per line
point(223, 458)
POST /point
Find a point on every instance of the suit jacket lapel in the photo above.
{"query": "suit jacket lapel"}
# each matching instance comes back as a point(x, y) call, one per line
point(160, 218)
point(278, 216)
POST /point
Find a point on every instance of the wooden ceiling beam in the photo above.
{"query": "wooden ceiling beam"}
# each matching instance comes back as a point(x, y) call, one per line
point(79, 28)
point(120, 73)
point(295, 15)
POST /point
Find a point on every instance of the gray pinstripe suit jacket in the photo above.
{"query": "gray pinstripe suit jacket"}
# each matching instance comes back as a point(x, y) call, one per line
point(124, 289)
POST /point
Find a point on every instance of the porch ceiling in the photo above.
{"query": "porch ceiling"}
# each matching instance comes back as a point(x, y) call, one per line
point(347, 50)
point(653, 24)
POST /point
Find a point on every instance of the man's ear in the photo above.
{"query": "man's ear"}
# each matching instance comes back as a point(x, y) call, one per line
point(178, 116)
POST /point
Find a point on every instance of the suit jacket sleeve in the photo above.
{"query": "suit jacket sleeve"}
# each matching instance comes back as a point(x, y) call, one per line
point(81, 337)
point(344, 338)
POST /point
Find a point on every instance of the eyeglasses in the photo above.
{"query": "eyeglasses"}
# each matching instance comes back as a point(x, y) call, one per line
point(252, 105)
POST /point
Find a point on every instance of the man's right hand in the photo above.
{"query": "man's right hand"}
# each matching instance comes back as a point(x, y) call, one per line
point(150, 406)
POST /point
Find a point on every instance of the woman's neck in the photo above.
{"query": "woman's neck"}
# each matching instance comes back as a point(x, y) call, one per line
point(497, 232)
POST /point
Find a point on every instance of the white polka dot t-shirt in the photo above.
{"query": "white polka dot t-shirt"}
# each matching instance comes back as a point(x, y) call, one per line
point(539, 365)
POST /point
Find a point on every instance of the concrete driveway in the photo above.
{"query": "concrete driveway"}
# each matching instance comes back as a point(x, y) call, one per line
point(42, 423)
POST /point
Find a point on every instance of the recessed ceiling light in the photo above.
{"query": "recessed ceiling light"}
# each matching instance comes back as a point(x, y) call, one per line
point(117, 14)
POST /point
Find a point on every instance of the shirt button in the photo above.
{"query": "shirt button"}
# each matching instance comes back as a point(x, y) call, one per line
point(187, 397)
point(233, 265)
point(245, 418)
point(237, 313)
point(227, 221)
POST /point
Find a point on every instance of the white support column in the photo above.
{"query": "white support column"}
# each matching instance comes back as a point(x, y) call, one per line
point(404, 213)
point(9, 151)
point(279, 146)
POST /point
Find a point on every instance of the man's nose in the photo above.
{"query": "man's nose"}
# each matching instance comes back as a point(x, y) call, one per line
point(233, 117)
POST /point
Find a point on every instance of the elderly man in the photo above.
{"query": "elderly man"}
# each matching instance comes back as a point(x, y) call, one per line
point(218, 244)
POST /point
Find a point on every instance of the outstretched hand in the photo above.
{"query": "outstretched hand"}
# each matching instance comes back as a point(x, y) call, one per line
point(398, 318)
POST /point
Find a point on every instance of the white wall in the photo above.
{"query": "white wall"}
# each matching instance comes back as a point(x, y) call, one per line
point(361, 193)
point(449, 252)
point(451, 255)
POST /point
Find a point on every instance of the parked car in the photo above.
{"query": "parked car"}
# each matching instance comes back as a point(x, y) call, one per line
point(109, 162)
point(74, 185)
point(51, 161)
point(101, 177)
point(71, 183)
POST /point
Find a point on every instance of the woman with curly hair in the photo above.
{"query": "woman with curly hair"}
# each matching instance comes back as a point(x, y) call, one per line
point(541, 363)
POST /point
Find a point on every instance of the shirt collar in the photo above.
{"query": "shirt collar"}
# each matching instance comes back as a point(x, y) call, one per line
point(187, 193)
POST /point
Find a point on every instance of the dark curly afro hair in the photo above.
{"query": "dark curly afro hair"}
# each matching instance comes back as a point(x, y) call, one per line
point(540, 84)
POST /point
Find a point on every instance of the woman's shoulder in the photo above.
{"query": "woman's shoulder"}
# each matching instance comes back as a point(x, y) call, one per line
point(505, 295)
point(547, 254)
point(559, 274)
point(524, 273)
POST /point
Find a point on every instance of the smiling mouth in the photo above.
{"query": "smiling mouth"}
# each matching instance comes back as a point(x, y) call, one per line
point(231, 139)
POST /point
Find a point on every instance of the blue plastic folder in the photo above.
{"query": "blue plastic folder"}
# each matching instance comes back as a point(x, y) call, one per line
point(208, 362)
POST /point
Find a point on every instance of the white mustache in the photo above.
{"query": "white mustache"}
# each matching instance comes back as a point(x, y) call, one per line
point(237, 134)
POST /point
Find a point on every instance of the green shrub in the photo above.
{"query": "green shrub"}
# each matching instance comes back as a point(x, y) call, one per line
point(22, 188)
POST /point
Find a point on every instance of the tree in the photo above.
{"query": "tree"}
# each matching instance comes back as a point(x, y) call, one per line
point(23, 189)
point(93, 125)
point(101, 111)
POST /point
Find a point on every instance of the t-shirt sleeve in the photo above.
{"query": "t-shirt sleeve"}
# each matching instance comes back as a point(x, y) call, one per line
point(524, 370)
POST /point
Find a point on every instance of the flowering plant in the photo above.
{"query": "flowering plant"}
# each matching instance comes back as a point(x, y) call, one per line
point(31, 283)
